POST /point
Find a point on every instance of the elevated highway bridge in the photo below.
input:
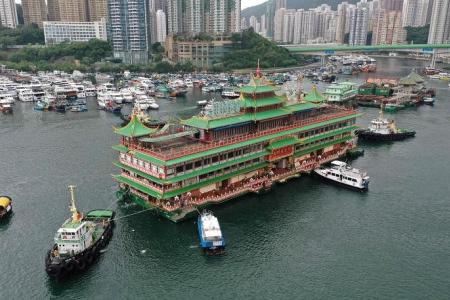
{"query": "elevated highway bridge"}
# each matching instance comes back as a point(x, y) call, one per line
point(325, 50)
point(332, 49)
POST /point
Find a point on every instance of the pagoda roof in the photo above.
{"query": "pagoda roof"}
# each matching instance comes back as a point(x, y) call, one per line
point(314, 96)
point(248, 102)
point(134, 128)
point(257, 85)
point(416, 77)
point(407, 81)
point(208, 123)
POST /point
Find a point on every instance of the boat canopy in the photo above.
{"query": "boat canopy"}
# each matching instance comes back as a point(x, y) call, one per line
point(5, 201)
point(338, 163)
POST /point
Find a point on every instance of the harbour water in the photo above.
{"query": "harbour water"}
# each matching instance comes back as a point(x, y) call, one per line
point(305, 239)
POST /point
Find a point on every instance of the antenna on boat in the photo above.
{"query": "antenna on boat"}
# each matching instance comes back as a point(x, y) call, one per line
point(73, 208)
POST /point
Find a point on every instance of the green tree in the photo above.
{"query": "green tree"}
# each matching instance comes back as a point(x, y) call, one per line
point(417, 35)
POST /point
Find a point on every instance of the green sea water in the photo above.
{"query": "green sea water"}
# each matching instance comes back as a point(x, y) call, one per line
point(305, 239)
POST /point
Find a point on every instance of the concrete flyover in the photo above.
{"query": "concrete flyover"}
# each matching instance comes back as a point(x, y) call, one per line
point(332, 49)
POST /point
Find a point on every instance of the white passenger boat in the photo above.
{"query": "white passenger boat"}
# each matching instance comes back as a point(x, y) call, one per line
point(127, 95)
point(26, 95)
point(342, 173)
point(117, 97)
point(90, 91)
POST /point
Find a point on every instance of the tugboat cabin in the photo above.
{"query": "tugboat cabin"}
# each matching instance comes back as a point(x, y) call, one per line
point(73, 237)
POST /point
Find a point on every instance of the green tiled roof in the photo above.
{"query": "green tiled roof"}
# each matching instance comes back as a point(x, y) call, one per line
point(314, 96)
point(248, 102)
point(120, 148)
point(284, 142)
point(237, 145)
point(301, 106)
point(206, 123)
point(249, 89)
point(416, 77)
point(134, 128)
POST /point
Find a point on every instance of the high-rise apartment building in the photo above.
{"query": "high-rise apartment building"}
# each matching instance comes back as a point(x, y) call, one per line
point(415, 12)
point(194, 16)
point(359, 18)
point(342, 14)
point(72, 10)
point(218, 22)
point(8, 13)
point(271, 7)
point(129, 30)
point(174, 16)
point(97, 10)
point(288, 26)
point(388, 28)
point(53, 10)
point(392, 4)
point(34, 12)
point(440, 23)
point(161, 26)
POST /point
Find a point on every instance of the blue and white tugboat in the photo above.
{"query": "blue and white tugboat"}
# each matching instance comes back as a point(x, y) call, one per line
point(210, 235)
point(79, 240)
point(342, 173)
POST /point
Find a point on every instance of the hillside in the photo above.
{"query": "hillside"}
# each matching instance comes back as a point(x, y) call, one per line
point(258, 10)
point(249, 47)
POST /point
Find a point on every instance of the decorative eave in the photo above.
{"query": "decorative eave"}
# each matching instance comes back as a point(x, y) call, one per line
point(134, 128)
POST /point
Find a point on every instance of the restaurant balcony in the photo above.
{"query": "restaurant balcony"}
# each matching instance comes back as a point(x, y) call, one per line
point(187, 145)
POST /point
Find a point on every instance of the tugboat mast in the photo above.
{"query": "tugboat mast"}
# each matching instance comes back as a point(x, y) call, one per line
point(73, 208)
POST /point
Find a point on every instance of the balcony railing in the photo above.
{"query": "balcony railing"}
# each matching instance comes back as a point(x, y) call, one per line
point(172, 153)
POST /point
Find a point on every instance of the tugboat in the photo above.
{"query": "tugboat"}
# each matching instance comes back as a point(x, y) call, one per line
point(342, 173)
point(211, 238)
point(79, 240)
point(382, 129)
point(5, 206)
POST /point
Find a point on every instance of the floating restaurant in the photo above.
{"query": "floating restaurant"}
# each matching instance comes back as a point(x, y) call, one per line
point(231, 148)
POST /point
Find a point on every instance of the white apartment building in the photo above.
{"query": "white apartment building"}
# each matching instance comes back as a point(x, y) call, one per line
point(415, 13)
point(161, 27)
point(57, 32)
point(440, 23)
point(8, 13)
point(359, 19)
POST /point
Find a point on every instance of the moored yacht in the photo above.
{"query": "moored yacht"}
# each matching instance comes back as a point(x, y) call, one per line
point(25, 95)
point(342, 173)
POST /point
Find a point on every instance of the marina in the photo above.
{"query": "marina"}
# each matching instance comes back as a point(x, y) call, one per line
point(304, 231)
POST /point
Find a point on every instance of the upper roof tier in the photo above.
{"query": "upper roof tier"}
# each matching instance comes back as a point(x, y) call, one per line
point(314, 96)
point(257, 85)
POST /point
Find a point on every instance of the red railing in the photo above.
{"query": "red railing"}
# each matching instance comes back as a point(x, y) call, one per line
point(172, 153)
